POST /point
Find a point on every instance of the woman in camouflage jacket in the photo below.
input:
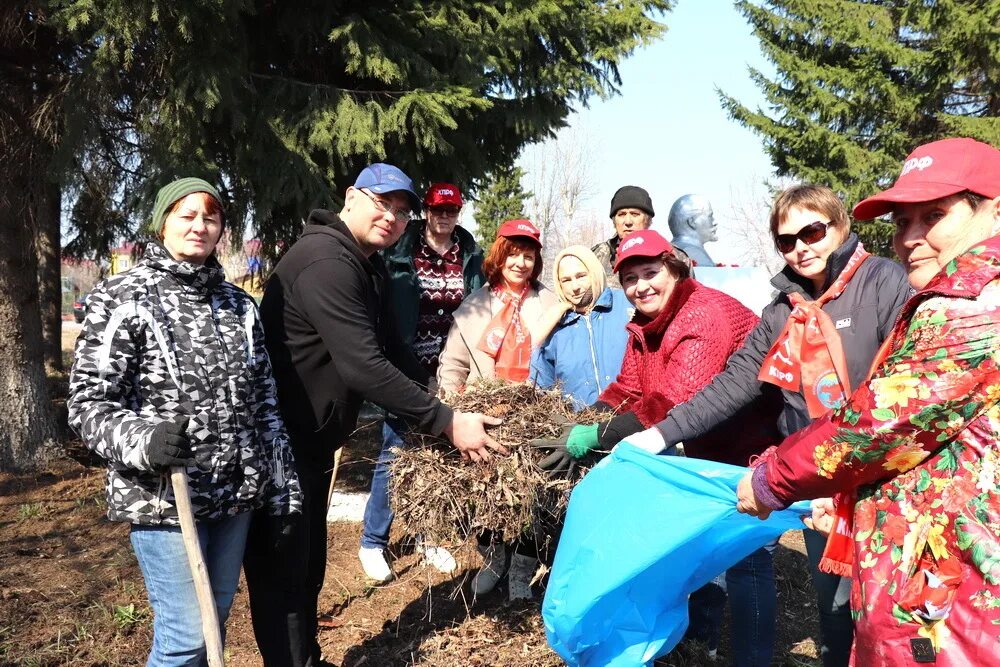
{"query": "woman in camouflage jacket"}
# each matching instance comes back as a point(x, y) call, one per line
point(171, 370)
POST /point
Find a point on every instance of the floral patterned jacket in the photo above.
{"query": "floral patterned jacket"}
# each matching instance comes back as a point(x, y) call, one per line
point(919, 443)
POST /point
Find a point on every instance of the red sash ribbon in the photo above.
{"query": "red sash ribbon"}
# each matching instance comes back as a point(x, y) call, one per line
point(838, 555)
point(808, 353)
point(506, 339)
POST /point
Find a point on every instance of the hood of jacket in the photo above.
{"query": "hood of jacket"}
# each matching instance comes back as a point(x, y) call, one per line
point(647, 328)
point(329, 223)
point(598, 280)
point(200, 277)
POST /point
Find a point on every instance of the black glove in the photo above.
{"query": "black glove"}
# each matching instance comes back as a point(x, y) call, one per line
point(169, 445)
point(283, 531)
point(559, 459)
point(620, 427)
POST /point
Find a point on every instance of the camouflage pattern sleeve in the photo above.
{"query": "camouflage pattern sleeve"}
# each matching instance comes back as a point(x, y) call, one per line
point(103, 397)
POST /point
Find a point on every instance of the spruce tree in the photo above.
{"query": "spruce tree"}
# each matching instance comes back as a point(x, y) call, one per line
point(860, 84)
point(282, 103)
point(500, 198)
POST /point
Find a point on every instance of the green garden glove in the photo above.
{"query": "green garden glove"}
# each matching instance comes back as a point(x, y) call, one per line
point(573, 443)
point(582, 439)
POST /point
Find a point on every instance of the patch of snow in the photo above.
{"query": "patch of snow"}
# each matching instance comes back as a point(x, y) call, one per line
point(347, 507)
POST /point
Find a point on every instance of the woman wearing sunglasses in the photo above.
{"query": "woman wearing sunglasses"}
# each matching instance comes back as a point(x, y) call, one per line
point(836, 303)
point(913, 455)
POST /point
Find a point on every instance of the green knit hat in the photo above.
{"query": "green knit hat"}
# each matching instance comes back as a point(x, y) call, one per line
point(170, 193)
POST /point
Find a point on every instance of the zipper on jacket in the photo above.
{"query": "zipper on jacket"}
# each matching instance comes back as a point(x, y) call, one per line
point(279, 467)
point(593, 355)
point(161, 494)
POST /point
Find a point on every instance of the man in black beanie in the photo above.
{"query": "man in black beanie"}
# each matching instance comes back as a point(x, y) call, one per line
point(631, 211)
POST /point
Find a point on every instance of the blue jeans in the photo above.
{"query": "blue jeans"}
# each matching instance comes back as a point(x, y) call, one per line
point(752, 594)
point(753, 601)
point(378, 516)
point(177, 634)
point(706, 607)
point(833, 598)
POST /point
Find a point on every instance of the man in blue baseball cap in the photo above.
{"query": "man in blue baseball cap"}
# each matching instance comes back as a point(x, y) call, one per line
point(392, 203)
point(330, 337)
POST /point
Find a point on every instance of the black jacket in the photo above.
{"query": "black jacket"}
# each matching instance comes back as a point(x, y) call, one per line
point(864, 315)
point(329, 334)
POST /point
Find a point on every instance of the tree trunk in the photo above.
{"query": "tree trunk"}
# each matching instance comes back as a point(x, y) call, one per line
point(26, 422)
point(48, 246)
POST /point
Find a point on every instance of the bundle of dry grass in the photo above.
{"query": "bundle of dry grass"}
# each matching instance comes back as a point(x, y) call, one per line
point(438, 495)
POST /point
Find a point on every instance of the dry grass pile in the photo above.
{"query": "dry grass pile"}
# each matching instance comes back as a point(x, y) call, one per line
point(515, 638)
point(437, 494)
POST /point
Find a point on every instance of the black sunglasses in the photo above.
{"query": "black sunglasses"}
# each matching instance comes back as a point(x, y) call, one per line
point(811, 233)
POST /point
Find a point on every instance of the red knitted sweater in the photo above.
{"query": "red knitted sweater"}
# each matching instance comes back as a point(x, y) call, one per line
point(670, 358)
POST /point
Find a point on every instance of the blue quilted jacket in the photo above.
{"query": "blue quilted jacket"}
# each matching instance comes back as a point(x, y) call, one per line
point(584, 352)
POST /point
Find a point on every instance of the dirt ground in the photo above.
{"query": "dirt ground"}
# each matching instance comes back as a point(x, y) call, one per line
point(71, 592)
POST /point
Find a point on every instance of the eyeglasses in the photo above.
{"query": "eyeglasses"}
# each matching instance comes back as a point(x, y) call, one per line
point(814, 232)
point(444, 212)
point(398, 213)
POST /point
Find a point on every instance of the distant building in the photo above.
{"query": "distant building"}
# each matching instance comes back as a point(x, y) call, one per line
point(123, 258)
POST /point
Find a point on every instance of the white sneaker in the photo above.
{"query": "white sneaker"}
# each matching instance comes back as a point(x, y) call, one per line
point(522, 570)
point(494, 564)
point(373, 563)
point(437, 557)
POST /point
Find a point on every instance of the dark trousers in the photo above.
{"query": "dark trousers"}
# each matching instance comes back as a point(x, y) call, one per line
point(833, 597)
point(285, 563)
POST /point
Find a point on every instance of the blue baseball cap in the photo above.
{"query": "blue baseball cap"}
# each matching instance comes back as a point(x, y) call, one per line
point(381, 178)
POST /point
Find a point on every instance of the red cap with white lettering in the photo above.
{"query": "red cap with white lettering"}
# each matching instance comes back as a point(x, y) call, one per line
point(939, 169)
point(645, 243)
point(443, 194)
point(515, 228)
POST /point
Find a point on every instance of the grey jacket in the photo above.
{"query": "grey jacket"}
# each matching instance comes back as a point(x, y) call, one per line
point(864, 315)
point(170, 339)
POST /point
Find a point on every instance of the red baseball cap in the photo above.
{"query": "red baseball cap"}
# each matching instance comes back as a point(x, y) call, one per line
point(515, 228)
point(939, 169)
point(443, 194)
point(645, 243)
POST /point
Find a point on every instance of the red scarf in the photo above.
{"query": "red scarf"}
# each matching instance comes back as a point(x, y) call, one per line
point(506, 339)
point(808, 353)
point(838, 555)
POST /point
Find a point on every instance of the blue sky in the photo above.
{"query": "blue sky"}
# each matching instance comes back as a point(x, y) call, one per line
point(667, 131)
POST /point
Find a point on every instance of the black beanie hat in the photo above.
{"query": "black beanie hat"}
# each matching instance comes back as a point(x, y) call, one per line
point(631, 196)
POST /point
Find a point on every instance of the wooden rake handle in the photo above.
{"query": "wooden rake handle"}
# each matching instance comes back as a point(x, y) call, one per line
point(333, 479)
point(199, 571)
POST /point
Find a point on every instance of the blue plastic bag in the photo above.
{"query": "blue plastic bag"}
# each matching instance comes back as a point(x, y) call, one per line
point(642, 532)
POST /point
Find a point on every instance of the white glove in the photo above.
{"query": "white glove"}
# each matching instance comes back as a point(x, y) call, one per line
point(650, 440)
